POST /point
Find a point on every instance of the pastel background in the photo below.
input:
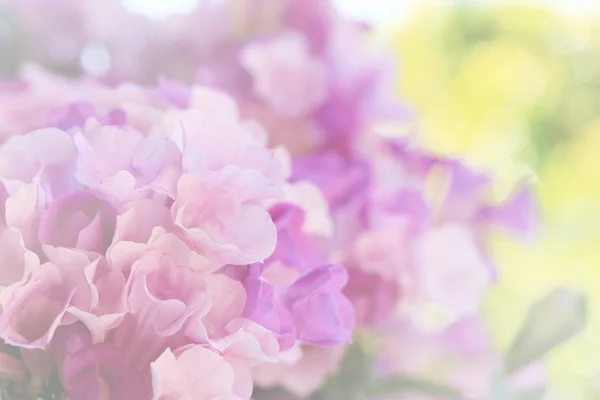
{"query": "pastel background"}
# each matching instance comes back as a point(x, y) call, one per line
point(515, 87)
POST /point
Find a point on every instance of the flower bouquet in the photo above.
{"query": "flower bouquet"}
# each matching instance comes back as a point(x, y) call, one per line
point(259, 222)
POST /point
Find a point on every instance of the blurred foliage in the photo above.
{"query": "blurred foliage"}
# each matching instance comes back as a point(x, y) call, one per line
point(10, 52)
point(550, 322)
point(512, 85)
point(357, 380)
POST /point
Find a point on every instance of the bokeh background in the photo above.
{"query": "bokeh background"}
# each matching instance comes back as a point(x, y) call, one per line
point(515, 88)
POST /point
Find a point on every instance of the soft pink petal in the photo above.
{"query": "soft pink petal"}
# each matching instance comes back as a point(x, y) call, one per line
point(196, 372)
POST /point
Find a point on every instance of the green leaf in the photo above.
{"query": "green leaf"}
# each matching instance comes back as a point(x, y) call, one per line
point(352, 379)
point(399, 385)
point(551, 321)
point(537, 393)
point(501, 390)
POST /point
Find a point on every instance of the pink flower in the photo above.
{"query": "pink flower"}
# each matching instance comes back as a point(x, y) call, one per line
point(218, 221)
point(309, 308)
point(132, 240)
point(44, 155)
point(138, 218)
point(23, 210)
point(166, 288)
point(195, 373)
point(96, 371)
point(226, 150)
point(308, 197)
point(302, 370)
point(286, 75)
point(245, 345)
point(295, 248)
point(452, 270)
point(519, 213)
point(228, 299)
point(76, 114)
point(322, 314)
point(17, 264)
point(374, 298)
point(25, 106)
point(263, 307)
point(79, 220)
point(113, 162)
point(37, 309)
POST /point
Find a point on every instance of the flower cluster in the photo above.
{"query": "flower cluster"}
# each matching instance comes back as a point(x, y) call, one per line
point(185, 241)
point(412, 230)
point(411, 227)
point(156, 252)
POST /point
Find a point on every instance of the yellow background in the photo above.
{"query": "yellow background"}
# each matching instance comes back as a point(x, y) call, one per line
point(516, 89)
